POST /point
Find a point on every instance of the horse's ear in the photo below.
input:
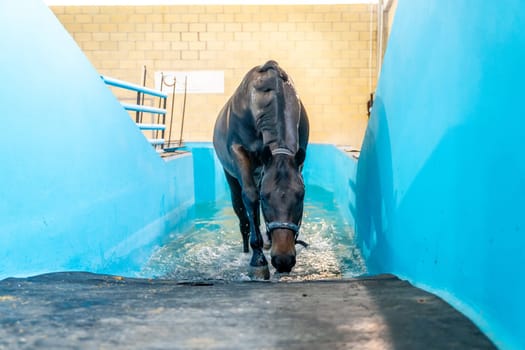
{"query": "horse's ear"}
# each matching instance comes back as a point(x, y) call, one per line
point(300, 156)
point(266, 155)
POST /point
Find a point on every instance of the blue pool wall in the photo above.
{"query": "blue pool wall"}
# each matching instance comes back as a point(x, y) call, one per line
point(80, 187)
point(334, 170)
point(326, 166)
point(441, 178)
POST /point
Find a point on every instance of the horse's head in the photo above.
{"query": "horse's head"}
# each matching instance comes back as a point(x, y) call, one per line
point(282, 195)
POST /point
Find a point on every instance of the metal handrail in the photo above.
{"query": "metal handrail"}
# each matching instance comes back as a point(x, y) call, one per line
point(143, 126)
point(139, 108)
point(129, 86)
point(157, 128)
point(146, 109)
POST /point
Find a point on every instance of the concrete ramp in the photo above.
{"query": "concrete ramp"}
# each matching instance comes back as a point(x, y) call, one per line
point(86, 311)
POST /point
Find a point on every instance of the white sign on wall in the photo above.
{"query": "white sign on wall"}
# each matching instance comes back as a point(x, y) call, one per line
point(198, 81)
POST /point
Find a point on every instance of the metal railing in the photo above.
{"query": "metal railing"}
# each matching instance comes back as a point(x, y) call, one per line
point(157, 127)
point(173, 145)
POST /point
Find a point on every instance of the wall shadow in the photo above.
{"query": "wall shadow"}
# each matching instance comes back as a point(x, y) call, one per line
point(374, 192)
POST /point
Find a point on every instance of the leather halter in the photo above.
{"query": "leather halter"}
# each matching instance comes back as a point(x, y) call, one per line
point(270, 226)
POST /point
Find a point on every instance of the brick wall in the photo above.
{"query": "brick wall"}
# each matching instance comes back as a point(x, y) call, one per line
point(324, 48)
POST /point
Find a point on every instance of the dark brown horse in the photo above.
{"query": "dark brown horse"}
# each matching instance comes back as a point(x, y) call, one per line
point(260, 138)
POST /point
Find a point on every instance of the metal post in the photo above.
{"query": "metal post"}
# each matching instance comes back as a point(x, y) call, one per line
point(163, 102)
point(137, 113)
point(141, 102)
point(160, 105)
point(172, 107)
point(183, 109)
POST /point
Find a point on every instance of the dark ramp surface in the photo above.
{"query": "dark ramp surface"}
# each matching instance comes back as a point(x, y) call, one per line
point(88, 311)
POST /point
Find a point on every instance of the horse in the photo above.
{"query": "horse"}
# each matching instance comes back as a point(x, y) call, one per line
point(260, 137)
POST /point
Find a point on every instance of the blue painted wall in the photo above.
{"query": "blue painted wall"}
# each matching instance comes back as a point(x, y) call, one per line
point(441, 178)
point(210, 182)
point(326, 166)
point(80, 188)
point(330, 168)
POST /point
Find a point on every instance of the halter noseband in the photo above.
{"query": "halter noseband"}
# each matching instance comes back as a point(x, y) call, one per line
point(286, 225)
point(270, 226)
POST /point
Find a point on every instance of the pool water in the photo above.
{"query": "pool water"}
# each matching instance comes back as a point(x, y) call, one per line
point(211, 249)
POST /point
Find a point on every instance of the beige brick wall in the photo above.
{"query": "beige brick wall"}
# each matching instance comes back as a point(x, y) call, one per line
point(324, 48)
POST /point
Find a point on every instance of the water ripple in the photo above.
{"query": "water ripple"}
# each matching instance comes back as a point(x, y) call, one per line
point(212, 248)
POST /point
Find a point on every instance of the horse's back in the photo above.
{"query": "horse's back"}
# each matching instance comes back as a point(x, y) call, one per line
point(253, 115)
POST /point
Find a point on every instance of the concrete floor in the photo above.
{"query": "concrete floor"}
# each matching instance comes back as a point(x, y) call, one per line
point(88, 311)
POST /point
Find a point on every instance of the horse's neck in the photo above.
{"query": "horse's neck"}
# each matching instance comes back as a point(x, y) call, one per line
point(277, 122)
point(287, 128)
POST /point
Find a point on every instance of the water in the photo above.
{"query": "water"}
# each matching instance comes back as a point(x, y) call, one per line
point(212, 247)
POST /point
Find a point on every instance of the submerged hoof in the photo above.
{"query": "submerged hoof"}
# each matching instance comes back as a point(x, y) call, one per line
point(259, 272)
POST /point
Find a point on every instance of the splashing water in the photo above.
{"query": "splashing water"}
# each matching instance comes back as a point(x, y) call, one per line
point(212, 248)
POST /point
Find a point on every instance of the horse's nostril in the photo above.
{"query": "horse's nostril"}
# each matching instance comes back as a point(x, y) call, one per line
point(283, 263)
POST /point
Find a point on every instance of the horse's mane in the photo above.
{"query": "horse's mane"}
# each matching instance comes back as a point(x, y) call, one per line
point(261, 95)
point(270, 87)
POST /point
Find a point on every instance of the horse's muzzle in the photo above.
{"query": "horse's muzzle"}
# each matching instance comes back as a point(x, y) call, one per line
point(283, 263)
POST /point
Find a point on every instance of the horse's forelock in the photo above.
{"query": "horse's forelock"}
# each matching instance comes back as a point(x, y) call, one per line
point(283, 167)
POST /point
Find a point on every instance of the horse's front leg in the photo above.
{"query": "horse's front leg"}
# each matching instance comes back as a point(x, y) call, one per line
point(258, 264)
point(250, 197)
point(240, 210)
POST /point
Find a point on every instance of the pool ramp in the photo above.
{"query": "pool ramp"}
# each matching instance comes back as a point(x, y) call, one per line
point(88, 311)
